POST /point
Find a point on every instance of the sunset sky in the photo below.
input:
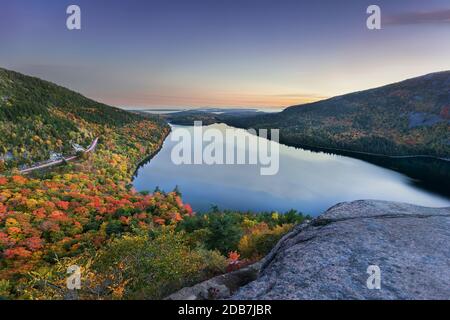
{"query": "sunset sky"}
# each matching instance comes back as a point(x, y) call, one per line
point(247, 53)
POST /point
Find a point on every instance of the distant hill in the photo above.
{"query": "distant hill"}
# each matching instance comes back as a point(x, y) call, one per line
point(408, 117)
point(209, 116)
point(38, 118)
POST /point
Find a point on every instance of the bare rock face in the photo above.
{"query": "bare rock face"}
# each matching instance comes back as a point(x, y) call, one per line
point(329, 257)
point(220, 287)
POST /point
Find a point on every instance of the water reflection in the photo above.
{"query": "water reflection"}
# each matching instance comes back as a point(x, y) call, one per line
point(307, 181)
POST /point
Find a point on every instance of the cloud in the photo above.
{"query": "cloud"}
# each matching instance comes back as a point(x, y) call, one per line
point(430, 17)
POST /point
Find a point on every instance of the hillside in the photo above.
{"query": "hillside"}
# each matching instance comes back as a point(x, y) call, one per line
point(402, 126)
point(38, 118)
point(86, 213)
point(406, 118)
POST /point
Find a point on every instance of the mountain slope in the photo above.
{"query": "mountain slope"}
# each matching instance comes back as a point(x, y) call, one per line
point(85, 213)
point(38, 118)
point(409, 117)
point(72, 213)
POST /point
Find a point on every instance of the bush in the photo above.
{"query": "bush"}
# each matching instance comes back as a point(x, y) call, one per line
point(261, 239)
point(114, 227)
point(217, 231)
point(153, 267)
point(224, 231)
point(216, 264)
point(5, 287)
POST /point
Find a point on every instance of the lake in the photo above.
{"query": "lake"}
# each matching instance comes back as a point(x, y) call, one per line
point(307, 181)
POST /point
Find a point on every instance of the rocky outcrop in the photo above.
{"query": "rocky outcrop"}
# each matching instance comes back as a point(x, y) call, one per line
point(220, 287)
point(329, 257)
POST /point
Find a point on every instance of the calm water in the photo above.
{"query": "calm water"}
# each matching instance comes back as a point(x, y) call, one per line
point(307, 181)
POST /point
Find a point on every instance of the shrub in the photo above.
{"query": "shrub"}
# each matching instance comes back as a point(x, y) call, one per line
point(261, 239)
point(114, 227)
point(5, 288)
point(151, 267)
point(224, 231)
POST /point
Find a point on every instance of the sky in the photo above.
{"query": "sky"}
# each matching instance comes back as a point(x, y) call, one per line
point(223, 53)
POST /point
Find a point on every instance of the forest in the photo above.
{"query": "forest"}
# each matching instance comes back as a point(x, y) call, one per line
point(128, 245)
point(411, 117)
point(407, 118)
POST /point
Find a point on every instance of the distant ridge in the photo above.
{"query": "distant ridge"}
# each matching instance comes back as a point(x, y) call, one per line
point(404, 118)
point(404, 126)
point(39, 118)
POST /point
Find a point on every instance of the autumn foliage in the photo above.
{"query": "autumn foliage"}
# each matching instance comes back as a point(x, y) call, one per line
point(87, 214)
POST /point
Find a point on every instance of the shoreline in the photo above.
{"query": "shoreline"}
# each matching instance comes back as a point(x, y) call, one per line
point(150, 156)
point(428, 173)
